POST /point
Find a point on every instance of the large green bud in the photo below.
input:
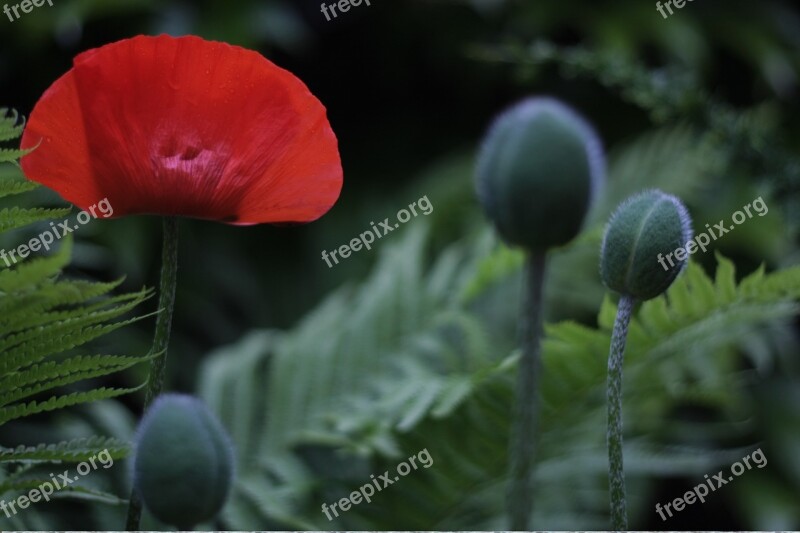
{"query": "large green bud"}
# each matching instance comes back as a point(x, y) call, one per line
point(638, 257)
point(537, 173)
point(183, 468)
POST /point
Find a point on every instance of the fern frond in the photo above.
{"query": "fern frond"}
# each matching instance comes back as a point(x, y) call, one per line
point(54, 369)
point(17, 217)
point(397, 370)
point(70, 491)
point(31, 325)
point(8, 155)
point(499, 264)
point(11, 187)
point(37, 270)
point(22, 484)
point(55, 342)
point(75, 322)
point(59, 402)
point(50, 375)
point(72, 451)
point(90, 494)
point(9, 127)
point(42, 318)
point(52, 294)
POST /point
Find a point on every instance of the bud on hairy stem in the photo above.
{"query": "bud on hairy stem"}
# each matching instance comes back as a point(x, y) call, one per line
point(643, 228)
point(539, 169)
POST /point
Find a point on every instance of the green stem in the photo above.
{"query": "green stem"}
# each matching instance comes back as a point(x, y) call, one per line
point(166, 305)
point(616, 472)
point(523, 431)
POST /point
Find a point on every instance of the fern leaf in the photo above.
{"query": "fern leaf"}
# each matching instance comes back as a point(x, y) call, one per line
point(51, 294)
point(38, 348)
point(38, 323)
point(9, 127)
point(50, 375)
point(72, 451)
point(396, 371)
point(11, 187)
point(53, 369)
point(59, 402)
point(71, 491)
point(37, 270)
point(17, 217)
point(74, 320)
point(11, 154)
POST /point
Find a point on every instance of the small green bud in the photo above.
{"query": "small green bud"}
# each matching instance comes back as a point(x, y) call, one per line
point(637, 256)
point(538, 170)
point(183, 466)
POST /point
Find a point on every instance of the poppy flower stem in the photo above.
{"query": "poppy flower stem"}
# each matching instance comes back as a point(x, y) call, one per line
point(616, 472)
point(526, 405)
point(166, 305)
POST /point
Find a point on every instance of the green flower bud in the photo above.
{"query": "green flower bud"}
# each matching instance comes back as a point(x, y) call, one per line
point(183, 467)
point(637, 257)
point(537, 173)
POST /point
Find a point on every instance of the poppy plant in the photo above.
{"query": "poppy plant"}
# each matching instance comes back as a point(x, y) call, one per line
point(183, 127)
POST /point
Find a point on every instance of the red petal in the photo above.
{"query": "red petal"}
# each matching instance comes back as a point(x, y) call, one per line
point(188, 127)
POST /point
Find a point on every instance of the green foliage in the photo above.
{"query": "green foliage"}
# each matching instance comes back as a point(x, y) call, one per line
point(396, 365)
point(748, 139)
point(69, 451)
point(671, 159)
point(44, 320)
point(10, 128)
point(73, 491)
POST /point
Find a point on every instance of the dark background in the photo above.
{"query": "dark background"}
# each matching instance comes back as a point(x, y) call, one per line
point(409, 86)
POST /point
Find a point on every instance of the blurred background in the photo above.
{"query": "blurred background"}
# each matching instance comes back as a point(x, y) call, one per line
point(327, 375)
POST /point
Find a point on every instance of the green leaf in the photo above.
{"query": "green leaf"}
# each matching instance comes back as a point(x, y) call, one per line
point(17, 217)
point(36, 271)
point(383, 370)
point(59, 402)
point(11, 187)
point(9, 127)
point(50, 375)
point(73, 451)
point(42, 318)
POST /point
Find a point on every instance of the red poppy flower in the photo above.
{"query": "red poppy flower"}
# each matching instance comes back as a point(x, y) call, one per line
point(186, 127)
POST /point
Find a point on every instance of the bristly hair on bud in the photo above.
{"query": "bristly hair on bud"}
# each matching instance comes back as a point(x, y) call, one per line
point(538, 171)
point(183, 464)
point(644, 228)
point(539, 168)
